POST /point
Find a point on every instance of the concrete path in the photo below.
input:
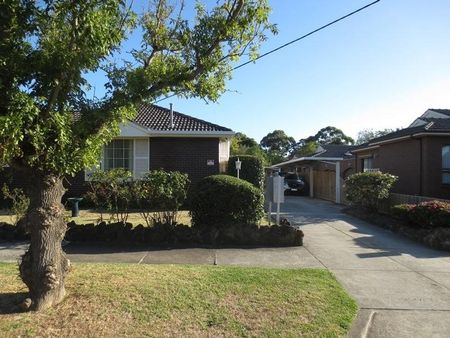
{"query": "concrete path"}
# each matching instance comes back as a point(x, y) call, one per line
point(402, 288)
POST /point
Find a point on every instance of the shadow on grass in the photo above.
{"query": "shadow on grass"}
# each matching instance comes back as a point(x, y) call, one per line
point(9, 302)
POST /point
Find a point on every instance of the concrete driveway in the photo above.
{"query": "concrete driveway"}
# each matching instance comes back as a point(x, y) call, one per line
point(402, 288)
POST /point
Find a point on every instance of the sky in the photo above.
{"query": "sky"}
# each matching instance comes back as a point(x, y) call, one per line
point(380, 68)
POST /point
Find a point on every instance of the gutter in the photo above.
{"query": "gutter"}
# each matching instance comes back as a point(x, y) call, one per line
point(319, 159)
point(181, 133)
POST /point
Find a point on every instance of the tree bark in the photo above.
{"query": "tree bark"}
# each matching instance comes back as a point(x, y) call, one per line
point(44, 266)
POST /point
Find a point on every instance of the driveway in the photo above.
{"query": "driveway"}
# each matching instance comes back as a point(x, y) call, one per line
point(402, 288)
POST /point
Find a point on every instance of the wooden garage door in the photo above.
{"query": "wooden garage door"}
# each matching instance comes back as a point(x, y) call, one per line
point(325, 185)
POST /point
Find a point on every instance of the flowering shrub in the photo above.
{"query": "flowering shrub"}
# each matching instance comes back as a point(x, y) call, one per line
point(367, 189)
point(426, 214)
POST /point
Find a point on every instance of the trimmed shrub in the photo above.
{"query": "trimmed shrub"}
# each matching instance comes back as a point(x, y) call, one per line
point(222, 200)
point(252, 169)
point(160, 194)
point(401, 211)
point(112, 190)
point(367, 189)
point(432, 214)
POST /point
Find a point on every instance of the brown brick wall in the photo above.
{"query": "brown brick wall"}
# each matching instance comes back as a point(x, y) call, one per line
point(188, 155)
point(432, 167)
point(404, 159)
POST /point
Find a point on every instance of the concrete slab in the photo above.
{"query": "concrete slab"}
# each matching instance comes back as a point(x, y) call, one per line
point(179, 256)
point(404, 324)
point(394, 290)
point(353, 258)
point(442, 278)
point(424, 261)
point(296, 257)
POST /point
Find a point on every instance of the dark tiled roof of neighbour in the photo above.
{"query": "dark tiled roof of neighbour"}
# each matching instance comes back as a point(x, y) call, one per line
point(434, 125)
point(158, 118)
point(442, 111)
point(334, 150)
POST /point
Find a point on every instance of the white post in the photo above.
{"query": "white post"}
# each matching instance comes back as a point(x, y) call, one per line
point(338, 182)
point(311, 182)
point(238, 166)
point(278, 212)
point(270, 212)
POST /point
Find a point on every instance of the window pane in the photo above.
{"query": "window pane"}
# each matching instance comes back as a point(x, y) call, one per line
point(446, 178)
point(118, 153)
point(446, 157)
point(118, 163)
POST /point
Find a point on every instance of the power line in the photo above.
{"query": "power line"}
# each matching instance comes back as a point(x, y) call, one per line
point(295, 40)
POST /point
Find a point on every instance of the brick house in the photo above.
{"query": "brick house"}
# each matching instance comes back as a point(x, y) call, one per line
point(419, 155)
point(158, 138)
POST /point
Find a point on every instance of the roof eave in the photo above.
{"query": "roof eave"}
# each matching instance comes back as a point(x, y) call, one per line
point(189, 133)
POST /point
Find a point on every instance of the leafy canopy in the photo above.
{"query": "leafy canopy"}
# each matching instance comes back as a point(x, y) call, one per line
point(47, 48)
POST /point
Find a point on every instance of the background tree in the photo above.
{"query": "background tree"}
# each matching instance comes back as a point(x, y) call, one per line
point(241, 144)
point(332, 135)
point(46, 50)
point(366, 135)
point(277, 145)
point(327, 135)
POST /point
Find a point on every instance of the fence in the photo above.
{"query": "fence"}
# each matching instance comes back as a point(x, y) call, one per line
point(325, 185)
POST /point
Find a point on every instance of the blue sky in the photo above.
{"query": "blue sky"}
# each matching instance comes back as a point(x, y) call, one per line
point(378, 69)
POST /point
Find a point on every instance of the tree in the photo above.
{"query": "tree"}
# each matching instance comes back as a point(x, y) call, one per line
point(48, 126)
point(306, 148)
point(366, 135)
point(241, 144)
point(332, 135)
point(277, 145)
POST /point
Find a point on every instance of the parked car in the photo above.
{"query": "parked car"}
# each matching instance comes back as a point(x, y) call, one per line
point(293, 183)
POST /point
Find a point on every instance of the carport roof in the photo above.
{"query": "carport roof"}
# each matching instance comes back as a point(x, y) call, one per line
point(305, 159)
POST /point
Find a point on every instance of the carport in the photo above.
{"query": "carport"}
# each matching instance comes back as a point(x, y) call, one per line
point(310, 163)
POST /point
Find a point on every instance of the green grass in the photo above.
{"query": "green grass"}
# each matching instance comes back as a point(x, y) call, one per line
point(90, 216)
point(184, 301)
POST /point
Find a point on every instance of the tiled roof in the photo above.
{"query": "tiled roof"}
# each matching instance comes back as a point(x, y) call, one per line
point(434, 125)
point(158, 118)
point(334, 150)
point(441, 111)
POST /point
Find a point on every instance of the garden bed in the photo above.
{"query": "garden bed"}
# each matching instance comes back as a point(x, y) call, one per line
point(179, 234)
point(436, 238)
point(106, 300)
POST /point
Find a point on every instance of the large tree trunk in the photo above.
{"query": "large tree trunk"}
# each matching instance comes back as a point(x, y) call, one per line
point(44, 266)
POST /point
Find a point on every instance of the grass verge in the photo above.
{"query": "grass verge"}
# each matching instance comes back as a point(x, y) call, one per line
point(184, 301)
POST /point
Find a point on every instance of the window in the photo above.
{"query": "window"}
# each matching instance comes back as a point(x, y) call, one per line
point(446, 164)
point(118, 154)
point(367, 164)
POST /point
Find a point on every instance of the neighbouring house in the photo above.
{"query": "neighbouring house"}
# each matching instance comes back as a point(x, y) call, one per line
point(419, 155)
point(324, 171)
point(160, 138)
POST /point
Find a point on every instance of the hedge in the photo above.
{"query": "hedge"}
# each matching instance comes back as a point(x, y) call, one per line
point(222, 200)
point(432, 214)
point(252, 169)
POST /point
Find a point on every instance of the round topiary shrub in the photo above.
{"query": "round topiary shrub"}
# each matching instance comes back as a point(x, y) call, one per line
point(222, 200)
point(252, 169)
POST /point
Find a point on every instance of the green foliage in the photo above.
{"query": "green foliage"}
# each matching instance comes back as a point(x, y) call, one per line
point(306, 149)
point(367, 189)
point(160, 194)
point(277, 145)
point(223, 200)
point(425, 215)
point(44, 79)
point(112, 190)
point(366, 135)
point(19, 202)
point(252, 169)
point(241, 144)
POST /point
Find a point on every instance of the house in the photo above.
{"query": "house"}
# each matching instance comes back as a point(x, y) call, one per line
point(324, 171)
point(419, 155)
point(160, 138)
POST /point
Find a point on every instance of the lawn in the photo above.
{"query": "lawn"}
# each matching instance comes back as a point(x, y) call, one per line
point(90, 216)
point(184, 301)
